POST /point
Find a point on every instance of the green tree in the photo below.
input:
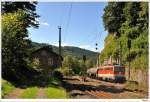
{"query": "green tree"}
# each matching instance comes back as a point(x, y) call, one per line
point(113, 17)
point(83, 67)
point(89, 64)
point(28, 7)
point(73, 65)
point(134, 25)
point(14, 45)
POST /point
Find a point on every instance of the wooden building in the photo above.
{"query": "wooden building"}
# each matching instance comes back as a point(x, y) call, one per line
point(46, 59)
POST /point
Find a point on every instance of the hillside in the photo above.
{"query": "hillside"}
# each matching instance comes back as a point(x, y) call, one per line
point(70, 50)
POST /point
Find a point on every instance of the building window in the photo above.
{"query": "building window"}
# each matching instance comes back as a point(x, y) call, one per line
point(36, 61)
point(50, 61)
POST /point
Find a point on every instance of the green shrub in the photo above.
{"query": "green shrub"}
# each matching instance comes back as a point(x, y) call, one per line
point(58, 75)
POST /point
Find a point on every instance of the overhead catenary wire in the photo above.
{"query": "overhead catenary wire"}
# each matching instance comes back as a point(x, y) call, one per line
point(68, 22)
point(96, 38)
point(61, 15)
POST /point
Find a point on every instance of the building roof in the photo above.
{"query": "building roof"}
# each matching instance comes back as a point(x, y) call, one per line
point(47, 48)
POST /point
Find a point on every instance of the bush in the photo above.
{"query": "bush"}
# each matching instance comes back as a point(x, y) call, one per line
point(58, 75)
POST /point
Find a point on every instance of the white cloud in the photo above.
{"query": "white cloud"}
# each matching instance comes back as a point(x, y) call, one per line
point(41, 23)
point(44, 23)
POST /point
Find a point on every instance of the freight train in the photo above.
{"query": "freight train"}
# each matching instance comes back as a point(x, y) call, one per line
point(110, 72)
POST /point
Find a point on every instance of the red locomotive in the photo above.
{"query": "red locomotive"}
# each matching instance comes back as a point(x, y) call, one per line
point(109, 72)
point(113, 72)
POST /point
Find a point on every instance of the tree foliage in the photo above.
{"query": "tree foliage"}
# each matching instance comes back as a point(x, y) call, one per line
point(72, 65)
point(14, 44)
point(131, 24)
point(111, 17)
point(17, 17)
point(28, 7)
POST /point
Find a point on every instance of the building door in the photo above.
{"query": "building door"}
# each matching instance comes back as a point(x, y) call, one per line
point(44, 61)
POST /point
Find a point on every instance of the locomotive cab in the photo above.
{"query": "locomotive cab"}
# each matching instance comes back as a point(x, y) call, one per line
point(119, 73)
point(113, 72)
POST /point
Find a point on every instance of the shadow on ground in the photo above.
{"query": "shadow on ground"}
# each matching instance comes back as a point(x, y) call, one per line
point(82, 87)
point(41, 83)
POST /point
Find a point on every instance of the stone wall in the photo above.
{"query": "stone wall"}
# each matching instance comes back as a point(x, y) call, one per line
point(140, 76)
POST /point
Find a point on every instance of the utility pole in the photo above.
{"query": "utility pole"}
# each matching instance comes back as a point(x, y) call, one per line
point(59, 27)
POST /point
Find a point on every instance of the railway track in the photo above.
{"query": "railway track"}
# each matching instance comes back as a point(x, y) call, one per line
point(99, 94)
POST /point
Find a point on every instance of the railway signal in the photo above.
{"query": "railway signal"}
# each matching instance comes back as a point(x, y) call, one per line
point(98, 55)
point(129, 46)
point(120, 54)
point(84, 58)
point(129, 43)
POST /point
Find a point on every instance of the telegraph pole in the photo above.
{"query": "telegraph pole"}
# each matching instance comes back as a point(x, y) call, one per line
point(59, 27)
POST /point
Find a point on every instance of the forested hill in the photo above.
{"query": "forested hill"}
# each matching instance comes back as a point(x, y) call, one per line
point(69, 50)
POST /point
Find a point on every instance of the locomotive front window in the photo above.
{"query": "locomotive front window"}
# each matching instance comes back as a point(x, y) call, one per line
point(119, 69)
point(108, 68)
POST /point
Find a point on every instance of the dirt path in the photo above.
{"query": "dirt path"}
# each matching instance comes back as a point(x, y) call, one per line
point(42, 93)
point(15, 94)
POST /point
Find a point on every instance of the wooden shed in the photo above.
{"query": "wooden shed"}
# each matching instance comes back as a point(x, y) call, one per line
point(46, 59)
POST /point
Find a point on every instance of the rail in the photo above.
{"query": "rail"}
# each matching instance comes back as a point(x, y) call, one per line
point(99, 94)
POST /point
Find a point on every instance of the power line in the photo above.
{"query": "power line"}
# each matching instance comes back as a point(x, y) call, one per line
point(96, 38)
point(68, 22)
point(61, 16)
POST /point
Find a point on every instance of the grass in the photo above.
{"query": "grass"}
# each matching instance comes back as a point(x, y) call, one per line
point(30, 93)
point(53, 90)
point(7, 87)
point(56, 93)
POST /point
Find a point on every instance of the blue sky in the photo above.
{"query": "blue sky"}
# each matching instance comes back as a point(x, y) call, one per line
point(81, 23)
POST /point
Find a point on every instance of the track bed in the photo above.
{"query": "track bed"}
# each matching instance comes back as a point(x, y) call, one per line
point(96, 89)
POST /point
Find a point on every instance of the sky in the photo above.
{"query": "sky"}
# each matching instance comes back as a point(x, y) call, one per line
point(81, 23)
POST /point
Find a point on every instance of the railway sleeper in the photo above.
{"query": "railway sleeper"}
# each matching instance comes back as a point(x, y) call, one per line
point(93, 94)
point(99, 94)
point(105, 94)
point(102, 95)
